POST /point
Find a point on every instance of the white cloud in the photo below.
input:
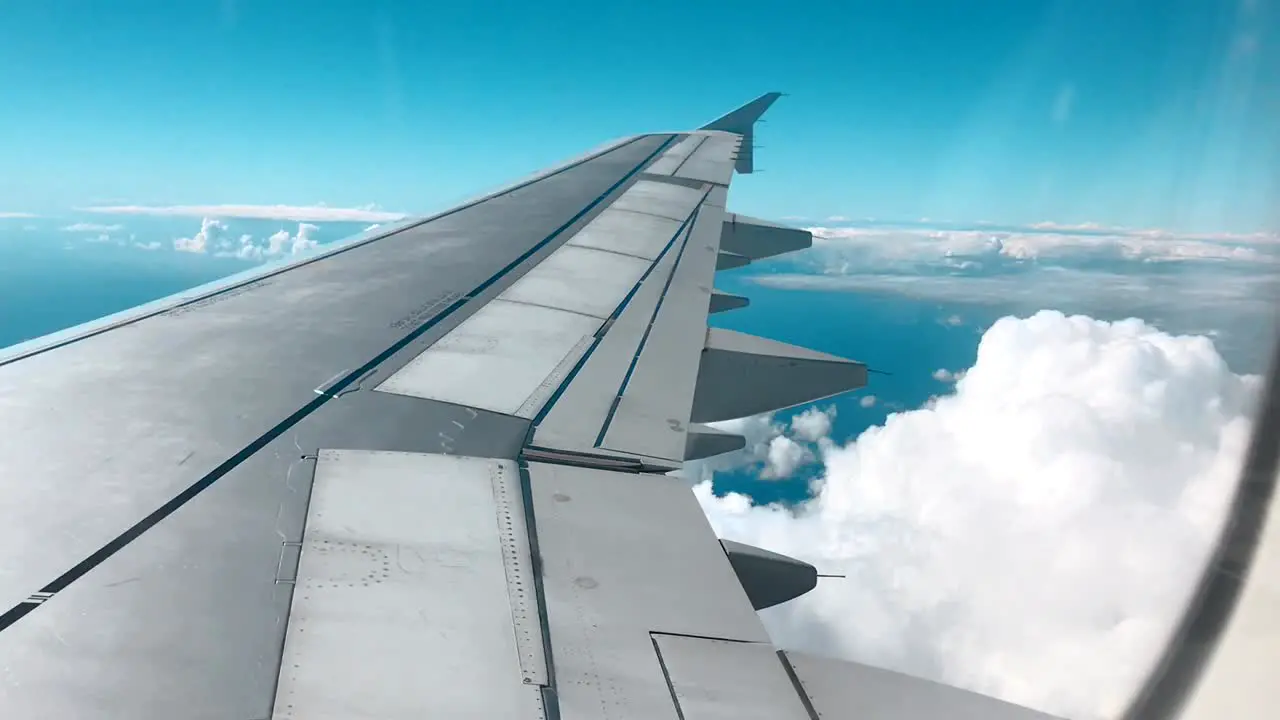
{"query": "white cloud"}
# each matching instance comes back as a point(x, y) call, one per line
point(867, 401)
point(92, 227)
point(278, 244)
point(152, 245)
point(311, 213)
point(768, 447)
point(947, 376)
point(813, 424)
point(758, 431)
point(15, 215)
point(953, 321)
point(783, 458)
point(212, 232)
point(215, 239)
point(840, 250)
point(1031, 536)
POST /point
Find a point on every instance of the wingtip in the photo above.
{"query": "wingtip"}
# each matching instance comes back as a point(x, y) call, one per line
point(741, 119)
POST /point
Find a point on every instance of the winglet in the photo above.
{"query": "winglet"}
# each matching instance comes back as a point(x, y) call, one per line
point(741, 120)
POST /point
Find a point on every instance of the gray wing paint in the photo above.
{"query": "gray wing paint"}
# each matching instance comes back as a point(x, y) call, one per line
point(421, 473)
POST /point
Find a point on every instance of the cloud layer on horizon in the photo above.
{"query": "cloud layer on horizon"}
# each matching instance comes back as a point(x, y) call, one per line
point(296, 213)
point(1032, 534)
point(880, 246)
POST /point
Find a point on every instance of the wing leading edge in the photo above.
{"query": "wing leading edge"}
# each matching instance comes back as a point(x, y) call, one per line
point(425, 470)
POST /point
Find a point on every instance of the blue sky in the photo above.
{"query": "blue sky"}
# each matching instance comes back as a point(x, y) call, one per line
point(1146, 113)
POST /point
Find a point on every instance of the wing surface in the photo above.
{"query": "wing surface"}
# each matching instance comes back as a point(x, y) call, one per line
point(422, 473)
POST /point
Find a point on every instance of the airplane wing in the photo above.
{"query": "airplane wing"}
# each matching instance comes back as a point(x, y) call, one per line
point(422, 474)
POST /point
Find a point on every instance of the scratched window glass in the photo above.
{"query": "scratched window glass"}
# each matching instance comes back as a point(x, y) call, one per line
point(967, 307)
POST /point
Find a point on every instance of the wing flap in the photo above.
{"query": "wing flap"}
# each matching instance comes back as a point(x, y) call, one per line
point(719, 680)
point(610, 579)
point(402, 598)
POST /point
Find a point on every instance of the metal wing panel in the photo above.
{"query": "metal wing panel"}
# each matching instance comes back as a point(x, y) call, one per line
point(513, 354)
point(630, 233)
point(721, 680)
point(652, 414)
point(574, 422)
point(713, 160)
point(583, 280)
point(671, 160)
point(664, 199)
point(402, 597)
point(499, 359)
point(611, 578)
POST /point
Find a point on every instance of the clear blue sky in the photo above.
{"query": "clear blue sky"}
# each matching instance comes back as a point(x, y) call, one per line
point(1141, 112)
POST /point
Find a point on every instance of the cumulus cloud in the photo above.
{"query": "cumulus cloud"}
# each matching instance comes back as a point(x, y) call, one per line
point(867, 401)
point(278, 244)
point(774, 450)
point(212, 232)
point(813, 424)
point(92, 228)
point(947, 376)
point(1034, 534)
point(298, 213)
point(215, 238)
point(783, 457)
